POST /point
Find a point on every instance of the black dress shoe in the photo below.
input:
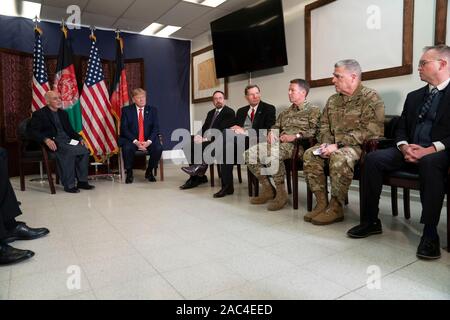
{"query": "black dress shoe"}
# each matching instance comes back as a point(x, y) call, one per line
point(429, 248)
point(196, 170)
point(151, 178)
point(129, 178)
point(10, 255)
point(148, 172)
point(365, 229)
point(192, 182)
point(224, 191)
point(24, 232)
point(202, 179)
point(71, 190)
point(85, 185)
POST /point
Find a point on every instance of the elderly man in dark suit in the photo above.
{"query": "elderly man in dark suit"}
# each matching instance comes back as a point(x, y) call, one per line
point(139, 130)
point(219, 118)
point(257, 115)
point(50, 125)
point(423, 143)
point(10, 229)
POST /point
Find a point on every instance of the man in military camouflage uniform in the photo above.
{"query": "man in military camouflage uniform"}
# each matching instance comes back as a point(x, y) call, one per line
point(351, 116)
point(301, 119)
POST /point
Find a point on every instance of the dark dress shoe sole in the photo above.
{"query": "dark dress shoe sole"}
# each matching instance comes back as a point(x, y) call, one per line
point(421, 256)
point(86, 187)
point(357, 236)
point(27, 256)
point(73, 190)
point(15, 238)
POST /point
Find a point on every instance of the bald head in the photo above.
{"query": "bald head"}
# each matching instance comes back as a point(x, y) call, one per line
point(53, 100)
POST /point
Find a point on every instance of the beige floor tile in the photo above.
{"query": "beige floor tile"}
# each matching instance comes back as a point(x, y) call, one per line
point(4, 290)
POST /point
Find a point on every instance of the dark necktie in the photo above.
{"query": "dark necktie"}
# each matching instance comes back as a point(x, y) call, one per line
point(214, 118)
point(141, 126)
point(427, 105)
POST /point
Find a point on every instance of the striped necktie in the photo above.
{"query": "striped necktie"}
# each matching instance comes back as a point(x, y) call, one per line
point(427, 105)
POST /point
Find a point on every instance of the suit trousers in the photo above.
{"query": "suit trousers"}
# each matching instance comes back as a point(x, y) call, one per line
point(73, 163)
point(9, 209)
point(432, 170)
point(129, 149)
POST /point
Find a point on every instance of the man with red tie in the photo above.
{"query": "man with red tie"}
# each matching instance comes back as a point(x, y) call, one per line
point(139, 130)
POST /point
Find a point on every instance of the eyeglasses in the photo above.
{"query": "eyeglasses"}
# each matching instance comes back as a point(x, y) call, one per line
point(422, 63)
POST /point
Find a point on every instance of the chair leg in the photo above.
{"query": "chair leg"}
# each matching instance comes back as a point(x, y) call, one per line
point(288, 179)
point(448, 220)
point(219, 172)
point(346, 199)
point(406, 203)
point(161, 169)
point(250, 183)
point(295, 188)
point(211, 174)
point(308, 198)
point(49, 173)
point(22, 178)
point(394, 202)
point(238, 168)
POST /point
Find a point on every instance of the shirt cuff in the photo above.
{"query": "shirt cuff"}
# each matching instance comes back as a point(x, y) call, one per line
point(134, 141)
point(439, 146)
point(400, 143)
point(150, 141)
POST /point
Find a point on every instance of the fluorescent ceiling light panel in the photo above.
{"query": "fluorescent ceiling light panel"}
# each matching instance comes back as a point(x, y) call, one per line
point(18, 8)
point(152, 29)
point(209, 3)
point(167, 31)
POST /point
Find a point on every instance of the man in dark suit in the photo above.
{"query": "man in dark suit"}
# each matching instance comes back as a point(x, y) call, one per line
point(423, 143)
point(139, 130)
point(50, 125)
point(219, 118)
point(257, 115)
point(10, 229)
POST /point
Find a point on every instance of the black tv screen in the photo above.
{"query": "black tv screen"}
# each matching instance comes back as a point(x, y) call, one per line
point(250, 39)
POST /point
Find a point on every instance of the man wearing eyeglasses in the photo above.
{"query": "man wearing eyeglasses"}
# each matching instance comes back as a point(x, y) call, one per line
point(423, 143)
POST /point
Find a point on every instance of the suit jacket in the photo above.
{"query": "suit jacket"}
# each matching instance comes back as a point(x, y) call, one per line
point(129, 127)
point(408, 120)
point(42, 125)
point(264, 117)
point(224, 120)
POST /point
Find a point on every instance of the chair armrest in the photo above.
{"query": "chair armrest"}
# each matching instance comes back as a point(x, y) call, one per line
point(306, 143)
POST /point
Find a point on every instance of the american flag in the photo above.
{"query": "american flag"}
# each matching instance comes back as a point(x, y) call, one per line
point(98, 124)
point(40, 79)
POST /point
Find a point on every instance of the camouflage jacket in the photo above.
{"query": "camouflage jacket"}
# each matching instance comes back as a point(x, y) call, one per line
point(303, 119)
point(352, 119)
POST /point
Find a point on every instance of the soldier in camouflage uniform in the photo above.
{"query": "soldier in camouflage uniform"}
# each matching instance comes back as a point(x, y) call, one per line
point(301, 119)
point(351, 116)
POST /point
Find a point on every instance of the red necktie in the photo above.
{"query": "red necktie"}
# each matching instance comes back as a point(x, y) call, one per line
point(141, 126)
point(252, 115)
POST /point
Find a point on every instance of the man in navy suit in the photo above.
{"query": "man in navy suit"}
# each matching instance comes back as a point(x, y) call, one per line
point(139, 130)
point(257, 115)
point(423, 143)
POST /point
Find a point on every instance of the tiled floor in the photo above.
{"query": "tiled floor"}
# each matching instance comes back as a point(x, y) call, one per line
point(154, 241)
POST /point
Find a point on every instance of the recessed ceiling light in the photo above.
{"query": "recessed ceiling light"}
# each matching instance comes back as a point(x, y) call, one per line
point(25, 9)
point(209, 3)
point(167, 31)
point(152, 29)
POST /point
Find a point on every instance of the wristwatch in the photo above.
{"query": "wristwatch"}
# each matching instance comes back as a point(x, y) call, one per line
point(340, 145)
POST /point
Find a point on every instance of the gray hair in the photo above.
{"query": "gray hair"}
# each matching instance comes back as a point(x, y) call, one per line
point(302, 84)
point(350, 65)
point(441, 49)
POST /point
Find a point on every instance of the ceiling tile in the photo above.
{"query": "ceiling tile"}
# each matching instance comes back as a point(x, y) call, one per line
point(183, 13)
point(148, 11)
point(233, 5)
point(108, 7)
point(97, 20)
point(64, 3)
point(53, 13)
point(186, 33)
point(202, 23)
point(130, 25)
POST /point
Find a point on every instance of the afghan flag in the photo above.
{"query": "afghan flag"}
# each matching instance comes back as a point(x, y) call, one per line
point(66, 82)
point(119, 87)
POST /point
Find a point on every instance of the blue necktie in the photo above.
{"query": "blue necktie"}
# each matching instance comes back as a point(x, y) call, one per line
point(214, 118)
point(427, 105)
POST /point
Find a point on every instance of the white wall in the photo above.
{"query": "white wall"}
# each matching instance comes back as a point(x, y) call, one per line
point(274, 82)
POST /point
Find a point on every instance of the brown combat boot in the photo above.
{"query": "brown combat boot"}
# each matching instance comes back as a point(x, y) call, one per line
point(321, 205)
point(280, 199)
point(334, 213)
point(265, 194)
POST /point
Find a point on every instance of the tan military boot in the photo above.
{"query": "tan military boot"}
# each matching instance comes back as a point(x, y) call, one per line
point(322, 203)
point(265, 194)
point(334, 213)
point(280, 199)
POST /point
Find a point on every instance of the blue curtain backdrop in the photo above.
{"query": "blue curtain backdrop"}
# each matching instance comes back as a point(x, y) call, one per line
point(167, 63)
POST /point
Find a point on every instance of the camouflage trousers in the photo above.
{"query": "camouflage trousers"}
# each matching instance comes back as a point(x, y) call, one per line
point(341, 164)
point(265, 160)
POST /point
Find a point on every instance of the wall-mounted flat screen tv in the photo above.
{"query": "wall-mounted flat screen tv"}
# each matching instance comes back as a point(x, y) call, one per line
point(250, 39)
